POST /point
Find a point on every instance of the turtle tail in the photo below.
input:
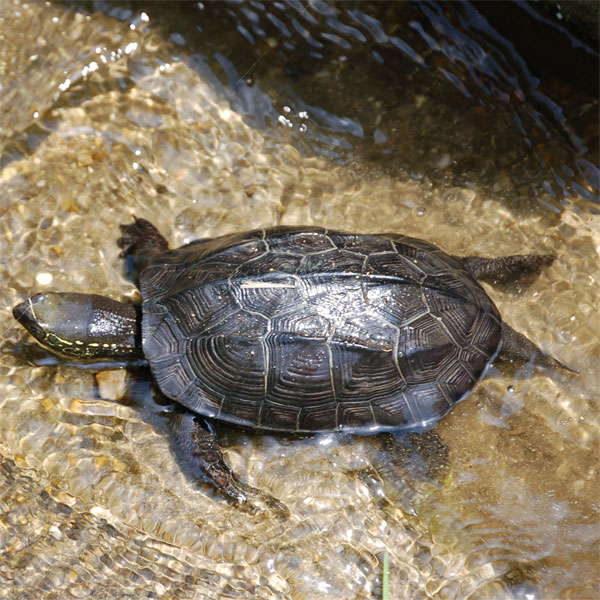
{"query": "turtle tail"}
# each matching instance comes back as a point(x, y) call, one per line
point(515, 346)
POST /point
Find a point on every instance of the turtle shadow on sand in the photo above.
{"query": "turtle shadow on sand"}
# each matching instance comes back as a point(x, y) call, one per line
point(294, 330)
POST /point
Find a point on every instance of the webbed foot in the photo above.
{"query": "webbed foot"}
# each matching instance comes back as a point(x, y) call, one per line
point(196, 441)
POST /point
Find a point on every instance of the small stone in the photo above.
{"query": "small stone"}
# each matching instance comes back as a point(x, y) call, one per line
point(84, 159)
point(43, 278)
point(111, 384)
point(250, 190)
point(55, 532)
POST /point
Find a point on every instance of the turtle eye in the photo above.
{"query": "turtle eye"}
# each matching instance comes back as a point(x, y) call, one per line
point(36, 331)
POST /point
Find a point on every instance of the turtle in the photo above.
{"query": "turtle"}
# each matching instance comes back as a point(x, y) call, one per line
point(294, 329)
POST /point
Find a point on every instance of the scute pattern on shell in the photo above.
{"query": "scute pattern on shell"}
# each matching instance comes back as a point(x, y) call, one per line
point(305, 329)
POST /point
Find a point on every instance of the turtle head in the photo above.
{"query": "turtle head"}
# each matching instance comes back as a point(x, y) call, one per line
point(81, 326)
point(52, 320)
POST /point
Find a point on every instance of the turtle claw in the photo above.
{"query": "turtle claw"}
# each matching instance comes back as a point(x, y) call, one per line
point(254, 499)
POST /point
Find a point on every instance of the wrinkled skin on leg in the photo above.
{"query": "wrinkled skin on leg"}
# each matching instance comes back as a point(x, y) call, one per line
point(196, 443)
point(506, 268)
point(141, 242)
point(198, 447)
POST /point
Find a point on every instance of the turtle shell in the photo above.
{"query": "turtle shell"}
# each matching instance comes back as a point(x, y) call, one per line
point(306, 329)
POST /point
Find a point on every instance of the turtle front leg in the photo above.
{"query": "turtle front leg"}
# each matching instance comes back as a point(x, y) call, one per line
point(198, 447)
point(142, 241)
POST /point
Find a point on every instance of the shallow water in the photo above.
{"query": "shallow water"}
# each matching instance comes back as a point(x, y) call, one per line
point(214, 118)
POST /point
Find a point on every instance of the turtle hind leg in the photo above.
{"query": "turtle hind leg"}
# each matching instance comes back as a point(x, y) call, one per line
point(515, 346)
point(407, 462)
point(141, 241)
point(424, 454)
point(197, 445)
point(506, 268)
